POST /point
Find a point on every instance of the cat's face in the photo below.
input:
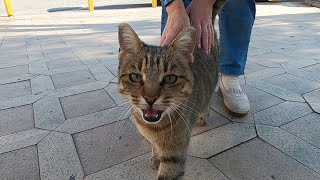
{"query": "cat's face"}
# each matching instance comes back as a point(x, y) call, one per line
point(155, 80)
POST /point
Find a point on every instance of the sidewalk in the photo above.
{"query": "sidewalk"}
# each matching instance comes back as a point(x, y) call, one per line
point(62, 118)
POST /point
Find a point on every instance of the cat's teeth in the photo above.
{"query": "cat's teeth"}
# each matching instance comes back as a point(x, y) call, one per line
point(150, 112)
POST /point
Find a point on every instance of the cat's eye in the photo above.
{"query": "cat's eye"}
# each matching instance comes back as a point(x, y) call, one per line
point(135, 78)
point(170, 79)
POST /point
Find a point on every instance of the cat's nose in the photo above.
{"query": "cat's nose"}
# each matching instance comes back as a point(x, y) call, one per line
point(150, 99)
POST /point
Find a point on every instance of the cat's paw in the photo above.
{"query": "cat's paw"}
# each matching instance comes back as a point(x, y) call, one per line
point(154, 163)
point(202, 119)
point(201, 122)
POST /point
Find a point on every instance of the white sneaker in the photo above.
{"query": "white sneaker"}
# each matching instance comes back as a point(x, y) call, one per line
point(235, 100)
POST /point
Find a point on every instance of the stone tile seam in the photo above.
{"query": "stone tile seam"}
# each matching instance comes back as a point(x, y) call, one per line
point(290, 134)
point(214, 127)
point(300, 138)
point(118, 121)
point(23, 104)
point(271, 75)
point(290, 156)
point(286, 122)
point(218, 168)
point(275, 95)
point(291, 72)
point(268, 107)
point(256, 136)
point(76, 148)
point(27, 79)
point(292, 120)
point(19, 148)
point(119, 164)
point(53, 96)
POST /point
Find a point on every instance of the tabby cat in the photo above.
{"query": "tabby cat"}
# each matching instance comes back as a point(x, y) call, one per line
point(169, 89)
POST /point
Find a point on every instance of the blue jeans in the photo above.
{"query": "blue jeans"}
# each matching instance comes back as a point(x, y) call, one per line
point(235, 24)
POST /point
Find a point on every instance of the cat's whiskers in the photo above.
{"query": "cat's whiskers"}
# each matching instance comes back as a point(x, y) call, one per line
point(188, 100)
point(188, 108)
point(183, 117)
point(169, 109)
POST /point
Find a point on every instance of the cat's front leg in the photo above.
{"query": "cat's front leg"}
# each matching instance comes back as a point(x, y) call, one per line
point(154, 161)
point(171, 168)
point(203, 117)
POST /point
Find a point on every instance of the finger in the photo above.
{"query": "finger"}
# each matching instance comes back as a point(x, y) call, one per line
point(204, 39)
point(198, 27)
point(210, 39)
point(168, 39)
point(163, 36)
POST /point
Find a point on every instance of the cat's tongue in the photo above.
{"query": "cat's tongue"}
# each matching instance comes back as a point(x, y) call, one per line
point(150, 112)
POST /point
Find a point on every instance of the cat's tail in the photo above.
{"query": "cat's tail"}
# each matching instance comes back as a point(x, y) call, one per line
point(217, 7)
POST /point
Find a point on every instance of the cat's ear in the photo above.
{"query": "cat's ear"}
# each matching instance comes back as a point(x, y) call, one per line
point(185, 41)
point(128, 39)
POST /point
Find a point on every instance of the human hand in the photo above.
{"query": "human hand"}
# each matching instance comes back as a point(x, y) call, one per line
point(177, 21)
point(200, 14)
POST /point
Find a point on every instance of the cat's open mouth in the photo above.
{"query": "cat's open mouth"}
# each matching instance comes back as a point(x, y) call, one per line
point(151, 115)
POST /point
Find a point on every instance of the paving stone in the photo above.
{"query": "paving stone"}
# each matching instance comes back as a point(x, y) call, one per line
point(313, 99)
point(276, 91)
point(21, 139)
point(48, 113)
point(72, 78)
point(138, 169)
point(41, 84)
point(252, 67)
point(38, 67)
point(260, 100)
point(274, 57)
point(13, 71)
point(282, 113)
point(312, 68)
point(256, 159)
point(291, 145)
point(113, 69)
point(313, 76)
point(68, 91)
point(220, 139)
point(66, 70)
point(20, 101)
point(34, 56)
point(268, 64)
point(87, 59)
point(299, 64)
point(20, 164)
point(20, 78)
point(101, 73)
point(86, 103)
point(16, 119)
point(94, 120)
point(265, 73)
point(115, 80)
point(113, 90)
point(58, 158)
point(64, 54)
point(14, 90)
point(307, 128)
point(293, 83)
point(15, 62)
point(63, 63)
point(120, 142)
point(215, 120)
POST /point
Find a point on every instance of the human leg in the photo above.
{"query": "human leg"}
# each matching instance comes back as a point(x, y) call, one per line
point(235, 24)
